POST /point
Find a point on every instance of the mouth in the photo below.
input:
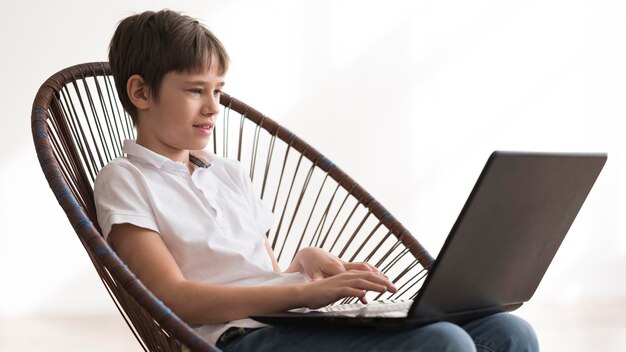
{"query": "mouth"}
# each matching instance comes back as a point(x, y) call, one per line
point(204, 127)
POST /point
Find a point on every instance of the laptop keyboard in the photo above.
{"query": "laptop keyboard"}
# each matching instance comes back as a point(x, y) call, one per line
point(382, 308)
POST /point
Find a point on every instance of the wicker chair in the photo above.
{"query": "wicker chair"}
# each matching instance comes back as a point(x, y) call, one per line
point(78, 126)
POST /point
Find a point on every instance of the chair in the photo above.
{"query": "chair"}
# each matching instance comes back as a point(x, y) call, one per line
point(78, 126)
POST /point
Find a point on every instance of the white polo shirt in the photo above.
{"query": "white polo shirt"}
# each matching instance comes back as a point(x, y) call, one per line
point(211, 220)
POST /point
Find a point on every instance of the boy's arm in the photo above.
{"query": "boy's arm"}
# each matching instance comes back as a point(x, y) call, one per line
point(147, 256)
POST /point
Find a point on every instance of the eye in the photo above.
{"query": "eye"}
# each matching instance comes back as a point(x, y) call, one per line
point(196, 91)
point(217, 92)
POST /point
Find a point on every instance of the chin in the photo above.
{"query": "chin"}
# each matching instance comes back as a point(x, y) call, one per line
point(199, 146)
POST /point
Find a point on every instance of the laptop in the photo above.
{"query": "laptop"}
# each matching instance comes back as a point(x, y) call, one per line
point(498, 250)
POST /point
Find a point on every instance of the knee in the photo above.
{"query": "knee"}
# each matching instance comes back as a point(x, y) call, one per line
point(508, 332)
point(445, 336)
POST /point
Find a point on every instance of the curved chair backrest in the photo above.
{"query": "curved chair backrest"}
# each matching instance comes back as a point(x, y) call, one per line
point(79, 125)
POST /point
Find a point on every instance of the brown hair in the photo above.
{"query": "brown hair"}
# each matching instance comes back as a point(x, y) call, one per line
point(152, 44)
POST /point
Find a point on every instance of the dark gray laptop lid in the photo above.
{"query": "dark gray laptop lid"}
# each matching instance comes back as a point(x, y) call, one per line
point(508, 232)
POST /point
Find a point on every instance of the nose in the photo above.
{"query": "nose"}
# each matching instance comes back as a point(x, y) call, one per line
point(211, 106)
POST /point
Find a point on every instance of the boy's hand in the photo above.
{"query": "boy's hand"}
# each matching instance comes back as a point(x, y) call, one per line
point(354, 283)
point(333, 279)
point(318, 264)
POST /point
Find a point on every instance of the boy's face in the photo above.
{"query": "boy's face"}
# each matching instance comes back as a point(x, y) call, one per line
point(183, 116)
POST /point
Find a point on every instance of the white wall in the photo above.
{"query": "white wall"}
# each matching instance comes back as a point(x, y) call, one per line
point(408, 97)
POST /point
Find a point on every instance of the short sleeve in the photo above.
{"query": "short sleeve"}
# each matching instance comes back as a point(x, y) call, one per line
point(121, 196)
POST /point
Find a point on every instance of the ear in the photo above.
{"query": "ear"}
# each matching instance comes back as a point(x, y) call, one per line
point(138, 92)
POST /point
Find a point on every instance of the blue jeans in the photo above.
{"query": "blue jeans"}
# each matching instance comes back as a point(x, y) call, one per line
point(499, 332)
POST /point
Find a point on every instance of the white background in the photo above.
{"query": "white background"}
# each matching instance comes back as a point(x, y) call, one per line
point(408, 97)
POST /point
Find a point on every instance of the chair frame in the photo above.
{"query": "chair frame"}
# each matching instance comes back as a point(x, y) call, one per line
point(66, 162)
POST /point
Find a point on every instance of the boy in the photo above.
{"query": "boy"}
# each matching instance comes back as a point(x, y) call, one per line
point(189, 225)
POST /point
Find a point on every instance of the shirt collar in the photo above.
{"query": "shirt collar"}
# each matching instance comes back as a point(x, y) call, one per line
point(201, 158)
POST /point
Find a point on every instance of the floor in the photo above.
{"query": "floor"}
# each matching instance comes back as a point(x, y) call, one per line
point(601, 327)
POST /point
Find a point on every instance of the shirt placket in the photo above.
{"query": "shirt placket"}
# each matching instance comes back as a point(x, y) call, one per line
point(209, 202)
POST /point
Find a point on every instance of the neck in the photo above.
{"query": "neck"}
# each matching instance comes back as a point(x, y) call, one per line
point(180, 155)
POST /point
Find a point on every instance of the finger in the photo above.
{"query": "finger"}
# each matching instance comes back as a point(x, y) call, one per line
point(365, 280)
point(359, 281)
point(358, 266)
point(378, 279)
point(363, 266)
point(367, 285)
point(360, 294)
